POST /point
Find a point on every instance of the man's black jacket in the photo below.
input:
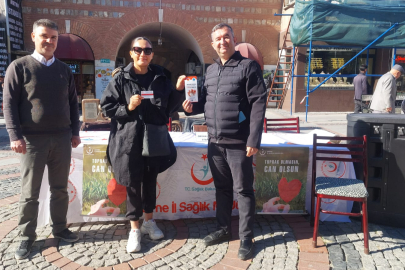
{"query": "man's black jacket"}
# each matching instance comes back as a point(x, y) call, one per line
point(232, 92)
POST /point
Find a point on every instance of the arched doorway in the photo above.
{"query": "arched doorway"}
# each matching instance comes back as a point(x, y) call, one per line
point(78, 55)
point(178, 52)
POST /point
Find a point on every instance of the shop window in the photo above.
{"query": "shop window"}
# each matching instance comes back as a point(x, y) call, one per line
point(326, 60)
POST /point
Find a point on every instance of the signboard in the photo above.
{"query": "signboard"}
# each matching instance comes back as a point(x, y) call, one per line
point(105, 60)
point(15, 24)
point(74, 67)
point(280, 181)
point(102, 196)
point(3, 46)
point(103, 77)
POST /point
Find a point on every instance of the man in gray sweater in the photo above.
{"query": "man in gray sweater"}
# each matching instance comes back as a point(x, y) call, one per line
point(42, 119)
point(386, 91)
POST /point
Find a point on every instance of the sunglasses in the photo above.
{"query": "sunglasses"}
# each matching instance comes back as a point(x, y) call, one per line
point(139, 50)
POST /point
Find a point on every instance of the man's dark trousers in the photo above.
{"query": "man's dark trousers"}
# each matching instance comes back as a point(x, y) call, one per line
point(55, 152)
point(232, 170)
point(358, 106)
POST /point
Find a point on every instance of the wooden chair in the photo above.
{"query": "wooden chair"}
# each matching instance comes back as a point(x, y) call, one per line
point(282, 124)
point(200, 128)
point(340, 188)
point(169, 125)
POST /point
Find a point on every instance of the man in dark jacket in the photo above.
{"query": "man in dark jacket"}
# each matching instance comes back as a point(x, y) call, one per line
point(360, 88)
point(234, 101)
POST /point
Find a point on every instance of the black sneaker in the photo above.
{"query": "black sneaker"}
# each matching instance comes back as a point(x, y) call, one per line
point(245, 249)
point(24, 249)
point(217, 237)
point(67, 236)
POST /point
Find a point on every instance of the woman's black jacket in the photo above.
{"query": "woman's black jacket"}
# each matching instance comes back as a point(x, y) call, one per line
point(124, 150)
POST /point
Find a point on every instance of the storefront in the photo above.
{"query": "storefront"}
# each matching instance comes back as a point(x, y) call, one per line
point(76, 52)
point(337, 93)
point(327, 59)
point(400, 59)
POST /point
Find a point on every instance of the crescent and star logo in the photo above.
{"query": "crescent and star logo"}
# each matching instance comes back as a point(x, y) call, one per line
point(205, 170)
point(72, 192)
point(333, 169)
point(72, 166)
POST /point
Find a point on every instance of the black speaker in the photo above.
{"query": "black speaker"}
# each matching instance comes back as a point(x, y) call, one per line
point(386, 164)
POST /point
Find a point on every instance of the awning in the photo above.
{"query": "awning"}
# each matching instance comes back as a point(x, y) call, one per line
point(249, 51)
point(72, 47)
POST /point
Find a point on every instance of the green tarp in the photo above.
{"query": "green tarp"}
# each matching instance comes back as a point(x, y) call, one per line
point(349, 22)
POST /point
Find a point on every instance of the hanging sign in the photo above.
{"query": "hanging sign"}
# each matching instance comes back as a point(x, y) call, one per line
point(15, 24)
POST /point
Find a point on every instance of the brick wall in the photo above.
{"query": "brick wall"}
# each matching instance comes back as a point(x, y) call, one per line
point(104, 24)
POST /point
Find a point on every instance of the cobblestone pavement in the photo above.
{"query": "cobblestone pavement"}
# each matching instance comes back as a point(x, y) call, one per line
point(280, 242)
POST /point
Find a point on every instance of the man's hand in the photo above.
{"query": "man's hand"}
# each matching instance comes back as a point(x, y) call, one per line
point(188, 106)
point(19, 146)
point(389, 109)
point(250, 151)
point(180, 85)
point(75, 141)
point(134, 102)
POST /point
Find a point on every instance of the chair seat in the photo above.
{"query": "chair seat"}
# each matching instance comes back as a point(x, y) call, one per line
point(344, 187)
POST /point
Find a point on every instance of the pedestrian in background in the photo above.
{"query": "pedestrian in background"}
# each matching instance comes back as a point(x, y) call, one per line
point(360, 88)
point(234, 102)
point(386, 91)
point(42, 119)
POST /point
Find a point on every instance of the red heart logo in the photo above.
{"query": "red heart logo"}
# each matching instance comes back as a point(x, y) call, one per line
point(116, 192)
point(289, 190)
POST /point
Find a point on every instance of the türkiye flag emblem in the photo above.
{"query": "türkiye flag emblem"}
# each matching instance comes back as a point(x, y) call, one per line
point(200, 171)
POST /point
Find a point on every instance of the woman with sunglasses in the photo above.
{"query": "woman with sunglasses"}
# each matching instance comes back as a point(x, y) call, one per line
point(129, 107)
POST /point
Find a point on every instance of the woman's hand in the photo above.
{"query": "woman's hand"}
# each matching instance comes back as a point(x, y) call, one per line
point(180, 83)
point(134, 102)
point(188, 106)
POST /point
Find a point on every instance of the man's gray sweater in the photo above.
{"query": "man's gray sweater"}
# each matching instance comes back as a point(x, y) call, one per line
point(39, 99)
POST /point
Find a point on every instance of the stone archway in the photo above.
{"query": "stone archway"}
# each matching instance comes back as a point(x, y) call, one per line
point(175, 21)
point(174, 52)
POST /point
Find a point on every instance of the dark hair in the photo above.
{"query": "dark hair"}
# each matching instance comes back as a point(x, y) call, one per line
point(363, 67)
point(140, 38)
point(220, 26)
point(45, 23)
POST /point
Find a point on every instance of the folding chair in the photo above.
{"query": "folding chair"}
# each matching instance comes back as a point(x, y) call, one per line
point(340, 188)
point(282, 124)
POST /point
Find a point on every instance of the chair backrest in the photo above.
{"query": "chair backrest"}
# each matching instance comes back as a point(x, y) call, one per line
point(169, 125)
point(282, 124)
point(200, 128)
point(354, 150)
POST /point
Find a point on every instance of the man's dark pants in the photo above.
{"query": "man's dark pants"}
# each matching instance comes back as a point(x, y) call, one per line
point(232, 170)
point(358, 106)
point(54, 151)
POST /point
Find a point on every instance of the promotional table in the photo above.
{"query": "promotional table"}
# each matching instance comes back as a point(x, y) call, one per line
point(185, 190)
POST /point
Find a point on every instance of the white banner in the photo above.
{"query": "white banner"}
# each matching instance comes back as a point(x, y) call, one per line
point(185, 190)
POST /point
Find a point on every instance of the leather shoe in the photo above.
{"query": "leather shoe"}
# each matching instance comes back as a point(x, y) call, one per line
point(245, 249)
point(217, 237)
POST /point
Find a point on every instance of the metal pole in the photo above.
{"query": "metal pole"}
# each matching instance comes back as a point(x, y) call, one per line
point(292, 80)
point(368, 46)
point(309, 76)
point(395, 56)
point(368, 55)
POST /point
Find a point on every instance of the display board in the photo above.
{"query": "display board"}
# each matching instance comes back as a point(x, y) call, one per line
point(280, 180)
